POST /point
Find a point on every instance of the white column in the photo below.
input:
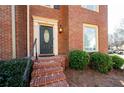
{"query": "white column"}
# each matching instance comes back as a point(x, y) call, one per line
point(13, 32)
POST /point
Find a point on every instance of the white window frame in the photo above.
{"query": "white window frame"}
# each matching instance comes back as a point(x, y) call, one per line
point(49, 6)
point(85, 6)
point(97, 42)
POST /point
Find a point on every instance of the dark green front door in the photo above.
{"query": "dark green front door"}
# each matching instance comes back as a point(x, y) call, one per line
point(46, 40)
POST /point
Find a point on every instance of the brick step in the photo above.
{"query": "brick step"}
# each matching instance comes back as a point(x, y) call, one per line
point(62, 83)
point(46, 71)
point(44, 80)
point(46, 64)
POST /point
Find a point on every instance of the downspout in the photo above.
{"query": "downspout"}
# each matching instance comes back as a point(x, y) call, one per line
point(28, 32)
point(13, 32)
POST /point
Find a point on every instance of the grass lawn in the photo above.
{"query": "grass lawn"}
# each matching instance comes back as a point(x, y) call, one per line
point(91, 78)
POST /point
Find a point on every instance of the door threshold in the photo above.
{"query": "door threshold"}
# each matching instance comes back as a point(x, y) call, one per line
point(46, 55)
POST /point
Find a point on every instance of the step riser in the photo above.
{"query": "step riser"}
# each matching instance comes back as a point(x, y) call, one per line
point(40, 66)
point(62, 83)
point(46, 80)
point(37, 74)
point(46, 83)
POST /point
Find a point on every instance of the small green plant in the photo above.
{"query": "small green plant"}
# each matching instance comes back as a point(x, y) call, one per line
point(101, 62)
point(118, 62)
point(78, 59)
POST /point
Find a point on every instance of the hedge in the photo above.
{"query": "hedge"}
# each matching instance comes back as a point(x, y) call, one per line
point(101, 62)
point(12, 71)
point(118, 62)
point(78, 59)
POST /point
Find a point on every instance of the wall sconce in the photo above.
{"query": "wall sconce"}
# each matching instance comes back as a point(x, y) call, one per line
point(60, 29)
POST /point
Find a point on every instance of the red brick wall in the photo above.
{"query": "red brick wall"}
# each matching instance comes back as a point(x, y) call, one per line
point(5, 33)
point(103, 28)
point(50, 13)
point(70, 17)
point(78, 16)
point(63, 37)
point(75, 27)
point(21, 31)
point(41, 11)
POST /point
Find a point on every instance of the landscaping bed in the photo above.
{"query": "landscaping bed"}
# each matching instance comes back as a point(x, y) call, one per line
point(94, 69)
point(92, 78)
point(12, 72)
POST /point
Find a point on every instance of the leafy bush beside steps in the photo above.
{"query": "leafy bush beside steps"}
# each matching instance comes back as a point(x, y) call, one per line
point(78, 59)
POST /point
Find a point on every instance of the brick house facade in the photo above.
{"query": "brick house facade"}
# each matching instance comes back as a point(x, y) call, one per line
point(18, 31)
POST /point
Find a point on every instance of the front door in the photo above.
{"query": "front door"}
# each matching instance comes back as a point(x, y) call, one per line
point(46, 40)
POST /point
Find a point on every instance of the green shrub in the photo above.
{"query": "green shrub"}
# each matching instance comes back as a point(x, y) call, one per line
point(101, 62)
point(11, 73)
point(78, 59)
point(117, 62)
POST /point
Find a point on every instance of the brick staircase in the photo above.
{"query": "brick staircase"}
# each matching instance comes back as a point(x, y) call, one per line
point(48, 72)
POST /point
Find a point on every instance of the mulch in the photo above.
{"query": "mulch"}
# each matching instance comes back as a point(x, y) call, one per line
point(91, 78)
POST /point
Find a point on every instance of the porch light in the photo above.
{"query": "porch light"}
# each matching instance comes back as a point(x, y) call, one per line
point(60, 29)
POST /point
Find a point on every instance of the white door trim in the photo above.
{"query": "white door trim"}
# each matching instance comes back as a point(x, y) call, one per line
point(37, 21)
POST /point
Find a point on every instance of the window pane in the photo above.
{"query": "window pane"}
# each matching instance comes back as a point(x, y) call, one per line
point(49, 6)
point(90, 39)
point(56, 6)
point(91, 7)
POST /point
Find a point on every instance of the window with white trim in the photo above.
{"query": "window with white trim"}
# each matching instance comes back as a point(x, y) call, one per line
point(90, 38)
point(49, 6)
point(52, 6)
point(91, 7)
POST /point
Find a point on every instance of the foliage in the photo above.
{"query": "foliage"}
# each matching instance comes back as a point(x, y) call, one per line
point(101, 62)
point(11, 72)
point(118, 62)
point(78, 59)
